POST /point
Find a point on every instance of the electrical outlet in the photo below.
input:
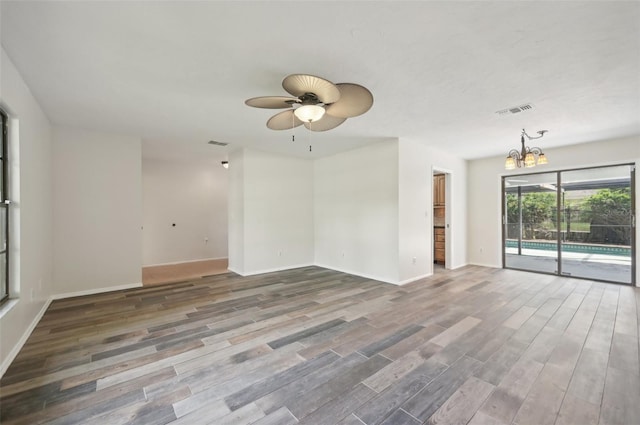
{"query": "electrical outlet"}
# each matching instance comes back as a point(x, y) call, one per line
point(279, 253)
point(413, 261)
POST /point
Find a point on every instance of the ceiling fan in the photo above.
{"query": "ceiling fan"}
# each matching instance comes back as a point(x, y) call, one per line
point(317, 103)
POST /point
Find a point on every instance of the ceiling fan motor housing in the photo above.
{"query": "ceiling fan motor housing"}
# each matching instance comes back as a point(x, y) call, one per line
point(309, 99)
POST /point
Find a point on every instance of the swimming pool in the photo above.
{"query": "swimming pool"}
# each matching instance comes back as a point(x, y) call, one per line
point(624, 251)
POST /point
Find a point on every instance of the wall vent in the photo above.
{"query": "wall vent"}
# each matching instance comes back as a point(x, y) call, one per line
point(515, 109)
point(213, 142)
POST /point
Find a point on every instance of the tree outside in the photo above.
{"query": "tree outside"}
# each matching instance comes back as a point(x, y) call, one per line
point(602, 217)
point(609, 212)
point(538, 212)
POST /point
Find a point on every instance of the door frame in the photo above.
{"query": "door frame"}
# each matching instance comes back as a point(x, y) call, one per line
point(448, 217)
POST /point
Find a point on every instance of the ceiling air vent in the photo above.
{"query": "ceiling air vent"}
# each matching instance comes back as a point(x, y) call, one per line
point(213, 142)
point(515, 109)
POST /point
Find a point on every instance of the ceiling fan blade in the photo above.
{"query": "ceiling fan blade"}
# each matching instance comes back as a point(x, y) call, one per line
point(271, 102)
point(354, 100)
point(327, 122)
point(299, 84)
point(283, 121)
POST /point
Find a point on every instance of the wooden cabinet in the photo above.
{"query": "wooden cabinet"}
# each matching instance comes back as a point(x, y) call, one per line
point(438, 245)
point(438, 218)
point(438, 189)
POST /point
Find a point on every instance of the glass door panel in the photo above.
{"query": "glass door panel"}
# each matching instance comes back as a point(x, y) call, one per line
point(530, 222)
point(597, 226)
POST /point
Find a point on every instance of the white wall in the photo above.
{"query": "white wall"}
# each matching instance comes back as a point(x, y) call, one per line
point(272, 196)
point(191, 194)
point(31, 229)
point(416, 165)
point(97, 210)
point(236, 211)
point(374, 210)
point(356, 211)
point(371, 211)
point(484, 180)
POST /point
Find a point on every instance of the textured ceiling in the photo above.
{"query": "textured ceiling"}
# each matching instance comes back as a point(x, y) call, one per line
point(177, 73)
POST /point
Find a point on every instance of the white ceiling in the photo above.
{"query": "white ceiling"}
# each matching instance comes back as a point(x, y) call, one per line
point(177, 73)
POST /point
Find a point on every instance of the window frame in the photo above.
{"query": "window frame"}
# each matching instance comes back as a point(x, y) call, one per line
point(4, 199)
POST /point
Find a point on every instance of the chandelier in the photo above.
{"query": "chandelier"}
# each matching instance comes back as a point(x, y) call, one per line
point(526, 156)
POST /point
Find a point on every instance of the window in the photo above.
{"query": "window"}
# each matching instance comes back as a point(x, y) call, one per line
point(4, 211)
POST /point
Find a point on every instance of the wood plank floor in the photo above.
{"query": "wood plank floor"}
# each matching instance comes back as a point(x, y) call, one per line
point(179, 272)
point(472, 346)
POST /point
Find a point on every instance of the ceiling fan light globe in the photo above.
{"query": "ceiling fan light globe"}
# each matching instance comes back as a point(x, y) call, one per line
point(309, 113)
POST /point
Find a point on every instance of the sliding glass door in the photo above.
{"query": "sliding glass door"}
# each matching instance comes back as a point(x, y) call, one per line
point(597, 224)
point(575, 223)
point(530, 222)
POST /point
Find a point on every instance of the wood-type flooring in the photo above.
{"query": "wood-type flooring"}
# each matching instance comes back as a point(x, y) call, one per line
point(474, 346)
point(179, 272)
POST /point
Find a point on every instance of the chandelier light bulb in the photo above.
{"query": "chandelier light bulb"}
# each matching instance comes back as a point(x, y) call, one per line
point(510, 164)
point(542, 159)
point(529, 160)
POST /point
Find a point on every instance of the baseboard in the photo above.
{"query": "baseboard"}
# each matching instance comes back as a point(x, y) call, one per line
point(96, 291)
point(232, 270)
point(413, 279)
point(491, 266)
point(183, 262)
point(460, 266)
point(253, 273)
point(277, 269)
point(16, 349)
point(366, 276)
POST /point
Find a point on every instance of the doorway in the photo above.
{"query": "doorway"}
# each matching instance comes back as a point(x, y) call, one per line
point(577, 223)
point(441, 214)
point(184, 239)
